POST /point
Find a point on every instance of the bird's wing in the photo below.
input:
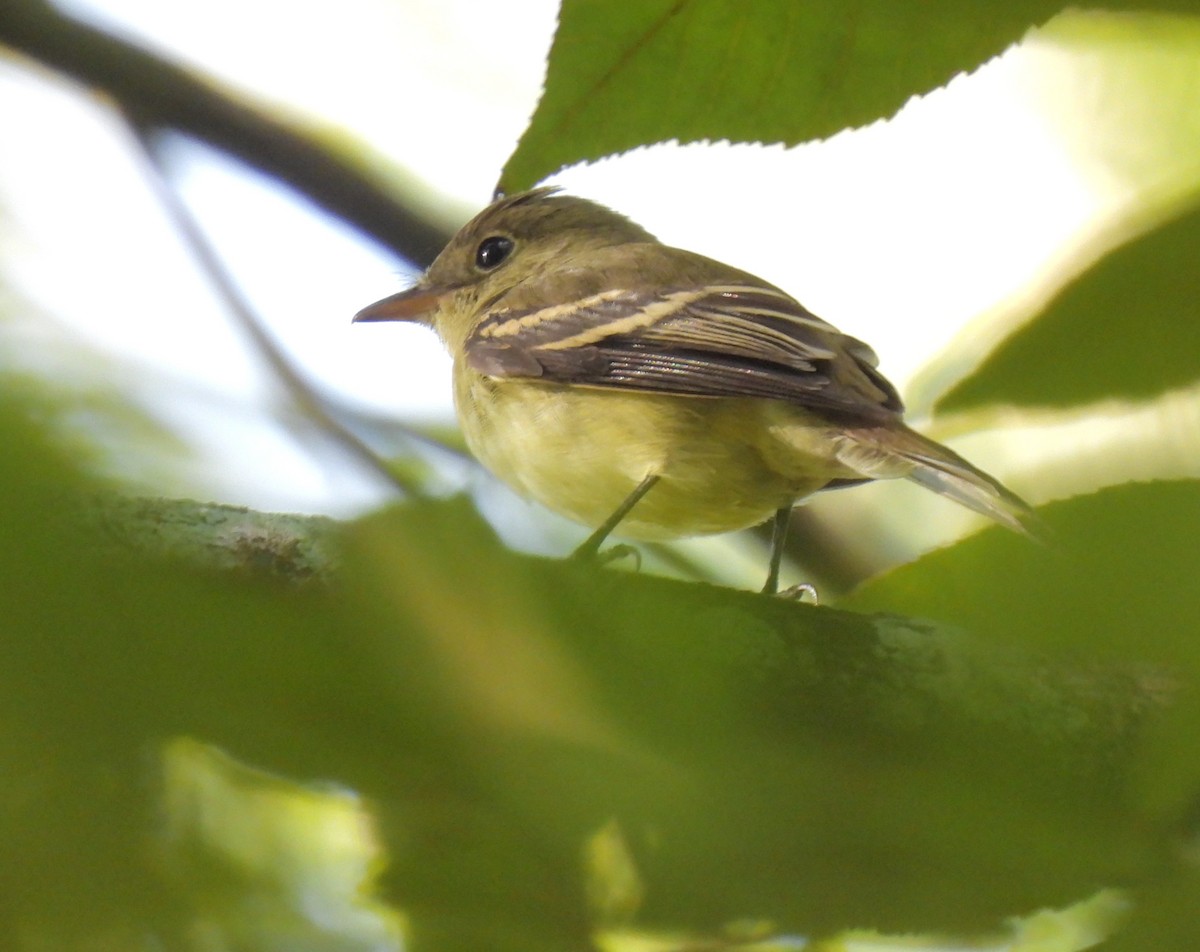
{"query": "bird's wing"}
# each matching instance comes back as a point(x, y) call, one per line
point(713, 340)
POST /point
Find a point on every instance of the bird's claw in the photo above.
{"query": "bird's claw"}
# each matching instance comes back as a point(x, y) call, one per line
point(620, 551)
point(796, 593)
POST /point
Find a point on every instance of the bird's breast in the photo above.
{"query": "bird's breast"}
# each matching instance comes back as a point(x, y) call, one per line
point(581, 451)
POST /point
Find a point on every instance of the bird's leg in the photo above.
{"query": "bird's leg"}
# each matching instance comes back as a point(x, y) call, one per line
point(593, 542)
point(779, 531)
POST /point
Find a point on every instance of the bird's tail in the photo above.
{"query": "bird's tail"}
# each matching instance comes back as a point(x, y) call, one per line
point(898, 451)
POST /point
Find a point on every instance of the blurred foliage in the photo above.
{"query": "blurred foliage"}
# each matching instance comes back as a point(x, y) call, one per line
point(805, 768)
point(212, 740)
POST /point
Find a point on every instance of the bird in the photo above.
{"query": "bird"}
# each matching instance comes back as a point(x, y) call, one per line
point(633, 386)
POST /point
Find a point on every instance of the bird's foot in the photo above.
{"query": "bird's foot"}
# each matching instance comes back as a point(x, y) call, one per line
point(797, 593)
point(619, 551)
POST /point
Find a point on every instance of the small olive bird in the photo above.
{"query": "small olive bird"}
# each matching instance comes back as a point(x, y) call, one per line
point(620, 381)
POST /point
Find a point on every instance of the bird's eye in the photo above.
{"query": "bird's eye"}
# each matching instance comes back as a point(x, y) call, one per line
point(493, 252)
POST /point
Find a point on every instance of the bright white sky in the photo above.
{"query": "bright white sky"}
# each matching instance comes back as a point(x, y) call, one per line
point(899, 233)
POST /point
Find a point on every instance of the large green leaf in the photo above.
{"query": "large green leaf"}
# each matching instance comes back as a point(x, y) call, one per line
point(1114, 589)
point(1114, 580)
point(1127, 327)
point(1114, 585)
point(622, 75)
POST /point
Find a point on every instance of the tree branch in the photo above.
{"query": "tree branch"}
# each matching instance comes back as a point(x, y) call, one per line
point(162, 95)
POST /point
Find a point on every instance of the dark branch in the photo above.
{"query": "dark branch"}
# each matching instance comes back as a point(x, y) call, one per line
point(162, 95)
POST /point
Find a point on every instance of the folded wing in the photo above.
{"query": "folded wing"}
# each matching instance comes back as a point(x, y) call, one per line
point(715, 340)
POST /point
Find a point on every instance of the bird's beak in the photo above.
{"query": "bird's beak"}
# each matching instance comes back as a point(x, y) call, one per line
point(415, 304)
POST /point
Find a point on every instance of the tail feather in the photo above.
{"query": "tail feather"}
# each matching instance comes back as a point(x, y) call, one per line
point(899, 451)
point(969, 486)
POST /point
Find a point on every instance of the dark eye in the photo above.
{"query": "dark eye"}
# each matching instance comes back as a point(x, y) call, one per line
point(492, 252)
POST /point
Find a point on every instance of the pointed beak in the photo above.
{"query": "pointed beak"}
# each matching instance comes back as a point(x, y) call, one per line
point(415, 304)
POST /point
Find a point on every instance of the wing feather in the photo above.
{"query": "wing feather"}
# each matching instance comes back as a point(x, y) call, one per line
point(714, 340)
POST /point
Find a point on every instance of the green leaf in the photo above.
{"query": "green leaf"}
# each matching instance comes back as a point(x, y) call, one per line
point(1125, 328)
point(1115, 579)
point(1114, 589)
point(622, 75)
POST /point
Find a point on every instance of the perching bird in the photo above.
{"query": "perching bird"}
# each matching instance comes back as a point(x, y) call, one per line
point(620, 381)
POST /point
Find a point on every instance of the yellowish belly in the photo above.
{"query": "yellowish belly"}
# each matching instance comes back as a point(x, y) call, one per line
point(580, 452)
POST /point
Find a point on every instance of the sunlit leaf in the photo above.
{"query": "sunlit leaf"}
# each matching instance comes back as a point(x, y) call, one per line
point(1112, 581)
point(1111, 589)
point(622, 75)
point(1123, 325)
point(1125, 328)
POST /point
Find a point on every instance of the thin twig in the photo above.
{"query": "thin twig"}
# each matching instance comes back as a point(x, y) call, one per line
point(306, 399)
